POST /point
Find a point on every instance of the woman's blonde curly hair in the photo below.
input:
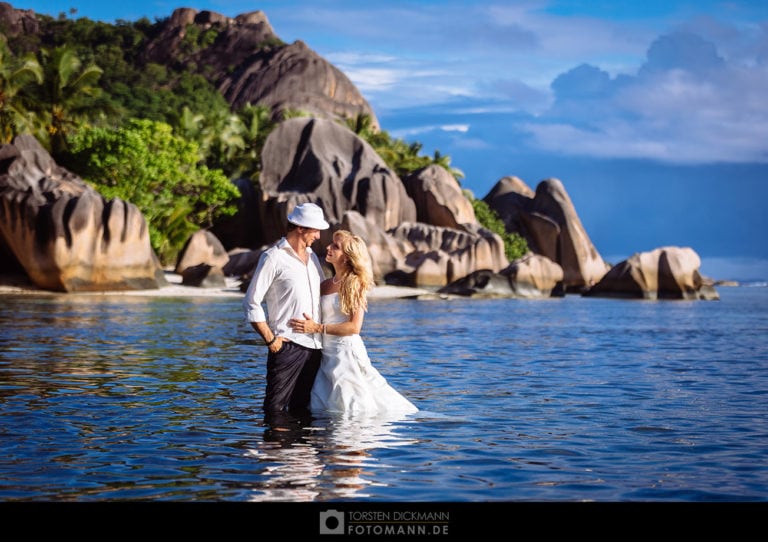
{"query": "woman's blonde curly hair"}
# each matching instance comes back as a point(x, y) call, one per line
point(357, 272)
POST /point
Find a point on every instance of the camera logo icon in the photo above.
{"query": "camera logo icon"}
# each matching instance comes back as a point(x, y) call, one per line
point(331, 522)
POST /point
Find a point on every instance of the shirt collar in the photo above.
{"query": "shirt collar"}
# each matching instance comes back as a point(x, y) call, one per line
point(283, 244)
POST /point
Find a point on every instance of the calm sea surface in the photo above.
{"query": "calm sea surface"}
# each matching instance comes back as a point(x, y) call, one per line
point(127, 398)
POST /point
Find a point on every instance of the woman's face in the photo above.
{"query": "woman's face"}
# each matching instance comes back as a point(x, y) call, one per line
point(334, 254)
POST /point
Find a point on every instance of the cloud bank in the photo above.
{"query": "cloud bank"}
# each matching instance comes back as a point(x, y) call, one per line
point(688, 93)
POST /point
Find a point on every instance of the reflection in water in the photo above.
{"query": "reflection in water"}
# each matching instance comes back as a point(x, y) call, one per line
point(291, 463)
point(350, 443)
point(122, 398)
point(308, 457)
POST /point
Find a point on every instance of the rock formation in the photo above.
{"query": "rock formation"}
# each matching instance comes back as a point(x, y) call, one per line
point(534, 276)
point(531, 277)
point(421, 230)
point(551, 226)
point(319, 160)
point(66, 236)
point(663, 273)
point(388, 254)
point(438, 198)
point(442, 255)
point(202, 260)
point(511, 198)
point(324, 162)
point(18, 21)
point(266, 71)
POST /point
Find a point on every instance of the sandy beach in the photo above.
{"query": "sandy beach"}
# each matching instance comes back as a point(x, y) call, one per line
point(21, 285)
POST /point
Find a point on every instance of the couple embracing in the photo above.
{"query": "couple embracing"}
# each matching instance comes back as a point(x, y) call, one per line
point(311, 327)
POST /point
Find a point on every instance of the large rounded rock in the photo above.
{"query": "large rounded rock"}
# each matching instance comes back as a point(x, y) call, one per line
point(531, 277)
point(443, 255)
point(511, 198)
point(324, 162)
point(573, 250)
point(16, 22)
point(202, 260)
point(249, 64)
point(64, 234)
point(534, 276)
point(663, 273)
point(481, 283)
point(438, 198)
point(549, 222)
point(387, 252)
point(294, 77)
point(202, 248)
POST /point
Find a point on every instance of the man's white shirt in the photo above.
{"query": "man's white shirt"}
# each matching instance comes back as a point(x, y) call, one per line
point(289, 288)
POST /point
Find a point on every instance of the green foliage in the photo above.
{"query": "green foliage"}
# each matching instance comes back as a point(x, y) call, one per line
point(515, 245)
point(269, 43)
point(129, 87)
point(144, 163)
point(69, 94)
point(196, 39)
point(256, 123)
point(231, 142)
point(97, 82)
point(402, 157)
point(15, 75)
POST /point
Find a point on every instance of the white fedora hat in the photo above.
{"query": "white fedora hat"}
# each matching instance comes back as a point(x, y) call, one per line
point(308, 215)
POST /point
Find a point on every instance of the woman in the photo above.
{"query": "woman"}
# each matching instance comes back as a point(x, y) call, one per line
point(347, 382)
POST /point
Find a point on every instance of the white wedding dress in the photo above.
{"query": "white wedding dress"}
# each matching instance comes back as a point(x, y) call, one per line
point(346, 381)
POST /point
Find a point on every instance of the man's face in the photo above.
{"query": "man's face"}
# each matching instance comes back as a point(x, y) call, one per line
point(309, 235)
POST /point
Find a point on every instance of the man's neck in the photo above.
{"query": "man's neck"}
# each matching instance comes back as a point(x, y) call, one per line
point(296, 244)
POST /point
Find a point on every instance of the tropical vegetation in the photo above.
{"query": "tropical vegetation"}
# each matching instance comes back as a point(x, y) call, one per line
point(174, 190)
point(515, 245)
point(159, 136)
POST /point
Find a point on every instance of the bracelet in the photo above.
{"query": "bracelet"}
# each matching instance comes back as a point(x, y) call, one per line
point(274, 338)
point(323, 329)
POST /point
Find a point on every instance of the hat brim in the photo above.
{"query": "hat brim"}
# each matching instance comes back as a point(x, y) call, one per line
point(321, 225)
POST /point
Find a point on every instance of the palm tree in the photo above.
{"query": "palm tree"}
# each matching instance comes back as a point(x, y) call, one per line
point(69, 94)
point(445, 162)
point(228, 141)
point(257, 122)
point(362, 125)
point(189, 125)
point(14, 76)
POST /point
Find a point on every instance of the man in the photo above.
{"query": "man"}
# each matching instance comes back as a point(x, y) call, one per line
point(287, 279)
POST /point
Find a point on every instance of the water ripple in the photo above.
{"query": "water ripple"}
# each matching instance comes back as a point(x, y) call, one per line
point(115, 398)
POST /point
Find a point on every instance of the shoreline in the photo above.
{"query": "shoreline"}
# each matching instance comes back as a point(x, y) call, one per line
point(20, 285)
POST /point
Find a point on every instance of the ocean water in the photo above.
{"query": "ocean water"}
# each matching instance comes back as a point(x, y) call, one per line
point(121, 398)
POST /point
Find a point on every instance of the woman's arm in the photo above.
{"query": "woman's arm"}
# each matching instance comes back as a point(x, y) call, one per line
point(352, 326)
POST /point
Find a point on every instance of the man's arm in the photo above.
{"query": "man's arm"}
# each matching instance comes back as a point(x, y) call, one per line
point(273, 342)
point(254, 297)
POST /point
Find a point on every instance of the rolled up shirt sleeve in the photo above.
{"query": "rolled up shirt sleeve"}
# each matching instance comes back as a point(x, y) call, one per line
point(257, 290)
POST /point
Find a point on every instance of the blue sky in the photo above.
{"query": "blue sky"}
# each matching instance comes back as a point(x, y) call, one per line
point(653, 114)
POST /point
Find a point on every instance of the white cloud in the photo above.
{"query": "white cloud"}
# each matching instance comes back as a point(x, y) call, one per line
point(609, 142)
point(372, 80)
point(353, 58)
point(686, 104)
point(411, 131)
point(679, 96)
point(699, 98)
point(455, 127)
point(423, 129)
